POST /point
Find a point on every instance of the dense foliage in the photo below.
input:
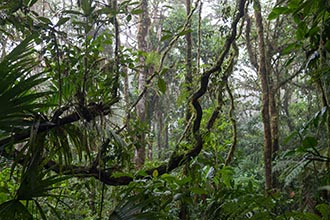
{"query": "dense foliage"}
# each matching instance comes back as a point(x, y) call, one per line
point(155, 109)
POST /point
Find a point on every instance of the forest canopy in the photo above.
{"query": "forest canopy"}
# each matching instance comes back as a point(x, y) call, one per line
point(193, 109)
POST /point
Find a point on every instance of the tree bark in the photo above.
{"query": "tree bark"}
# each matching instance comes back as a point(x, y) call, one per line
point(189, 77)
point(184, 212)
point(286, 101)
point(144, 23)
point(251, 53)
point(264, 78)
point(116, 54)
point(274, 130)
point(160, 131)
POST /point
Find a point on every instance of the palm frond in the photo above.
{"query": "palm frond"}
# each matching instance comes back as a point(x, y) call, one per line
point(35, 184)
point(133, 208)
point(18, 87)
point(41, 211)
point(14, 210)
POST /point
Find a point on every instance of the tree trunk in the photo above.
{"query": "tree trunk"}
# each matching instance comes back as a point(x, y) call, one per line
point(286, 101)
point(117, 55)
point(144, 23)
point(273, 111)
point(264, 78)
point(189, 77)
point(160, 135)
point(184, 215)
point(274, 132)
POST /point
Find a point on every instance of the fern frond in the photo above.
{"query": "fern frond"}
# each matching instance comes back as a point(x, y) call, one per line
point(292, 173)
point(282, 165)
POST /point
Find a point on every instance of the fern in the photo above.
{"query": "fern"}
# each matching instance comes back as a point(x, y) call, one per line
point(292, 172)
point(282, 165)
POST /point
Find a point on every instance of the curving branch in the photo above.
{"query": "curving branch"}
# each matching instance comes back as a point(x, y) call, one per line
point(233, 146)
point(94, 110)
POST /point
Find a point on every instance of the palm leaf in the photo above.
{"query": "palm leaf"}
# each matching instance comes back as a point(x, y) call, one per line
point(35, 184)
point(41, 211)
point(18, 87)
point(132, 209)
point(35, 180)
point(14, 210)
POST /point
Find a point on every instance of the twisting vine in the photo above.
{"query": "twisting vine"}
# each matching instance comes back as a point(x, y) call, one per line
point(228, 71)
point(232, 149)
point(205, 80)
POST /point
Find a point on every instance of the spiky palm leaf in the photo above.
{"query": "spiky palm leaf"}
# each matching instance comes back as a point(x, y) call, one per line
point(20, 98)
point(18, 88)
point(14, 210)
point(132, 209)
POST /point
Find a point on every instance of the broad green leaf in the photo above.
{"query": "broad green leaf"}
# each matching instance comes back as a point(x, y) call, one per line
point(324, 209)
point(165, 37)
point(121, 174)
point(141, 173)
point(290, 48)
point(301, 31)
point(314, 31)
point(184, 180)
point(309, 142)
point(311, 216)
point(164, 70)
point(327, 45)
point(294, 3)
point(62, 21)
point(155, 173)
point(198, 190)
point(45, 20)
point(161, 85)
point(278, 11)
point(169, 178)
point(86, 6)
point(128, 18)
point(137, 11)
point(182, 33)
point(227, 174)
